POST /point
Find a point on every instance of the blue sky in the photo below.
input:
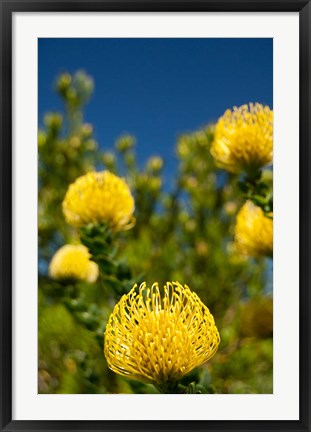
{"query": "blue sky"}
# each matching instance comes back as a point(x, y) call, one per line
point(157, 89)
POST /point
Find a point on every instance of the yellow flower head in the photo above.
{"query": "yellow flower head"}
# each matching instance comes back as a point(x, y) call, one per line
point(73, 262)
point(243, 139)
point(99, 197)
point(253, 231)
point(159, 335)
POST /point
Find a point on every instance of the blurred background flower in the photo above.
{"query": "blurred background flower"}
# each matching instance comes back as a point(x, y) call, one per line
point(244, 139)
point(253, 231)
point(73, 262)
point(159, 335)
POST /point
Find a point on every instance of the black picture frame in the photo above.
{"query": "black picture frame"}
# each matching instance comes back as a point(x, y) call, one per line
point(8, 7)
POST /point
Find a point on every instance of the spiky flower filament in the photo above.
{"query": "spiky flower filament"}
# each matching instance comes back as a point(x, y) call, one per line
point(99, 197)
point(73, 262)
point(253, 231)
point(243, 139)
point(159, 335)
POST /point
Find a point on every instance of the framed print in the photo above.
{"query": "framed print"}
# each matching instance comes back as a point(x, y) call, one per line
point(155, 215)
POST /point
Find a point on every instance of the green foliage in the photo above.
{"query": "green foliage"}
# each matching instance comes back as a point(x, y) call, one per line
point(259, 190)
point(66, 151)
point(183, 232)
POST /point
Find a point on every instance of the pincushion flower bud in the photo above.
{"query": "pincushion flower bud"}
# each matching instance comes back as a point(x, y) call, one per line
point(73, 262)
point(155, 163)
point(159, 335)
point(243, 139)
point(86, 130)
point(99, 197)
point(253, 231)
point(125, 143)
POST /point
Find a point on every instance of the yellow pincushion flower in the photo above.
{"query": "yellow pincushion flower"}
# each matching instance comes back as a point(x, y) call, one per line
point(73, 262)
point(243, 139)
point(253, 231)
point(159, 335)
point(99, 197)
